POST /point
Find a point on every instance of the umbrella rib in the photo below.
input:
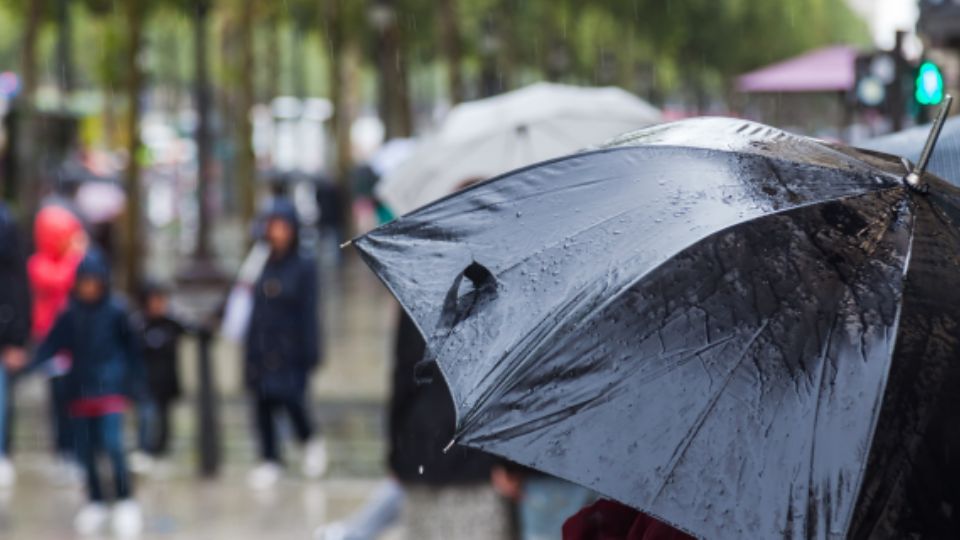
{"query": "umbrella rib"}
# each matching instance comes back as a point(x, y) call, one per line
point(684, 445)
point(816, 418)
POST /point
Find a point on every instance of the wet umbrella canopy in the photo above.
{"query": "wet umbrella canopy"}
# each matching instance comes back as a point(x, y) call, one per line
point(745, 333)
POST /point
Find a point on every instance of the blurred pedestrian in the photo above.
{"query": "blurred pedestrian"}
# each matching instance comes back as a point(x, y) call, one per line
point(106, 370)
point(448, 493)
point(14, 328)
point(160, 334)
point(282, 347)
point(330, 223)
point(60, 242)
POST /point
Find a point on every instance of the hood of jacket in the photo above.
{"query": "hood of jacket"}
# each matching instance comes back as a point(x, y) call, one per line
point(54, 229)
point(284, 209)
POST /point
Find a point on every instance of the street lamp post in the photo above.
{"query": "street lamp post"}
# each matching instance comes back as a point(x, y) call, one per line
point(202, 249)
point(204, 279)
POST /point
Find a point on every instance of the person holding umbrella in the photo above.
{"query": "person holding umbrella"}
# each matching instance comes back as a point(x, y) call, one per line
point(283, 347)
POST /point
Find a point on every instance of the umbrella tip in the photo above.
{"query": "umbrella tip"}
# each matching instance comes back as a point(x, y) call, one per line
point(346, 244)
point(915, 178)
point(449, 445)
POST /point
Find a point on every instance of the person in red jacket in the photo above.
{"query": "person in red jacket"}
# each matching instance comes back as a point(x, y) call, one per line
point(60, 242)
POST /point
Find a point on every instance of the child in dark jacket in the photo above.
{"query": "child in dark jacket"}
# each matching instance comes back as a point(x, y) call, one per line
point(160, 334)
point(106, 369)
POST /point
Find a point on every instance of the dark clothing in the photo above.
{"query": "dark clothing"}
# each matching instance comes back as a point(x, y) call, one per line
point(329, 204)
point(610, 520)
point(422, 421)
point(98, 336)
point(282, 345)
point(60, 423)
point(266, 413)
point(153, 423)
point(14, 288)
point(160, 445)
point(102, 435)
point(160, 337)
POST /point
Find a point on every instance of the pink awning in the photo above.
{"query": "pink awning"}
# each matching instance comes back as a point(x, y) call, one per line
point(830, 69)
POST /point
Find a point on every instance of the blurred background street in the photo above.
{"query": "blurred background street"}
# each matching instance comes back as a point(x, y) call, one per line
point(179, 133)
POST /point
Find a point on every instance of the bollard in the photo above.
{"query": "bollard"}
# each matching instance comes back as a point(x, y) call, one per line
point(208, 440)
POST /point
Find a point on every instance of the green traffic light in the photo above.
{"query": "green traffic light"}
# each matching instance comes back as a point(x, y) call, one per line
point(929, 84)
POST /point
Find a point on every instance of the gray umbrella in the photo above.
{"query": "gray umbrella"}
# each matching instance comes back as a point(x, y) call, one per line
point(742, 332)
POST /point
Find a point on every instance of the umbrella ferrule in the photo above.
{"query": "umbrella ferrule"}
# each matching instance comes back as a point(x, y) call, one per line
point(914, 179)
point(449, 445)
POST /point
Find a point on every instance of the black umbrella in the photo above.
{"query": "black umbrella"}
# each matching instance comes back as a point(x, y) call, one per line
point(908, 143)
point(743, 332)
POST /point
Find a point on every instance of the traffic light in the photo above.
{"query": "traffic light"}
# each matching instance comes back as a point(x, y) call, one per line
point(929, 84)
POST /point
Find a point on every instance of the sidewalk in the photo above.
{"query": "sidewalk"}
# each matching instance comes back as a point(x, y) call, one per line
point(183, 508)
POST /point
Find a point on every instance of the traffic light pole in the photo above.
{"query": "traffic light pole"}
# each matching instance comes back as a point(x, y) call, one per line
point(898, 101)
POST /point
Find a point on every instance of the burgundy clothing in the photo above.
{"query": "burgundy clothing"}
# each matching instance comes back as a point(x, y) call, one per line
point(610, 520)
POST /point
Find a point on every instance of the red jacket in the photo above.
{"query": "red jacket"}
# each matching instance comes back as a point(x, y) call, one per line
point(52, 268)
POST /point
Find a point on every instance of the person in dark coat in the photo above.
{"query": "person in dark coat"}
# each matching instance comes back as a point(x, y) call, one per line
point(160, 334)
point(283, 346)
point(448, 493)
point(105, 372)
point(14, 327)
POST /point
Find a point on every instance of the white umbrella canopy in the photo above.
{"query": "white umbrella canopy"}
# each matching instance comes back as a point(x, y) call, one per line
point(487, 137)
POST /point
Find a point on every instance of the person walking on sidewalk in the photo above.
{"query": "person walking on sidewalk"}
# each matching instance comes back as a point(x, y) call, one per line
point(14, 328)
point(283, 347)
point(106, 370)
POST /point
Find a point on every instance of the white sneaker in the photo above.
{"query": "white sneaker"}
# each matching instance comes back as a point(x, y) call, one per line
point(140, 462)
point(264, 476)
point(90, 519)
point(127, 519)
point(315, 458)
point(8, 475)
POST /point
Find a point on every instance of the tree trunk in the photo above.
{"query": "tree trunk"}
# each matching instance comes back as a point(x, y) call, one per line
point(272, 62)
point(246, 161)
point(64, 50)
point(453, 47)
point(132, 234)
point(342, 79)
point(395, 109)
point(27, 172)
point(202, 94)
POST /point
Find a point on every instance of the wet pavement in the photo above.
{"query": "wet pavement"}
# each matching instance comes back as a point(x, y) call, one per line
point(182, 507)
